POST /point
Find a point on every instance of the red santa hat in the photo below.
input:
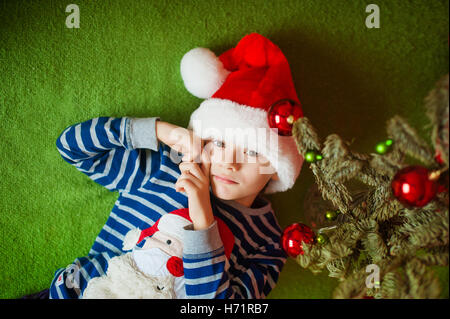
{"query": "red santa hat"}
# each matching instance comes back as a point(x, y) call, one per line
point(241, 87)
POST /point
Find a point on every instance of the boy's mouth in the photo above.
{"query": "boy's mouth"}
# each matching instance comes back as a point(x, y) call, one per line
point(224, 179)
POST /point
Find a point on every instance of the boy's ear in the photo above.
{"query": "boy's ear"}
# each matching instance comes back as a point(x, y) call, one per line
point(275, 177)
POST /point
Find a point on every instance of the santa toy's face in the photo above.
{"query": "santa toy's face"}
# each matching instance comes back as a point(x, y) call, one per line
point(161, 254)
point(171, 245)
point(162, 249)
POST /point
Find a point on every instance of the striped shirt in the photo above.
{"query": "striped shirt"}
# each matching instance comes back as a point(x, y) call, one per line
point(123, 155)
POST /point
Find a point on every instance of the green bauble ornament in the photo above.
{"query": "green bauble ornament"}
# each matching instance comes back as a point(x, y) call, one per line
point(313, 156)
point(384, 147)
point(322, 239)
point(331, 215)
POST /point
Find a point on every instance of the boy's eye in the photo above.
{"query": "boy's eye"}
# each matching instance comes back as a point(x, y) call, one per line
point(218, 143)
point(252, 153)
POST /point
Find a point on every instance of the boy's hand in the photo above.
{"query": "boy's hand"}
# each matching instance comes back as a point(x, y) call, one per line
point(180, 139)
point(194, 180)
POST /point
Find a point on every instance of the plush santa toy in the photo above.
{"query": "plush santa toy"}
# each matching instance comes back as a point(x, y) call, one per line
point(154, 267)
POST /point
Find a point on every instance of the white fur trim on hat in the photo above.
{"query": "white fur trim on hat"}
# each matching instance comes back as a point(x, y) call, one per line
point(172, 225)
point(225, 119)
point(202, 72)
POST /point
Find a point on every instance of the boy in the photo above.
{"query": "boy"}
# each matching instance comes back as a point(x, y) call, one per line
point(220, 181)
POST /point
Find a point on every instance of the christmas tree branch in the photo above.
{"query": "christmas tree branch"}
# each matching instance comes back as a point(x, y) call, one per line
point(305, 136)
point(422, 282)
point(435, 256)
point(395, 286)
point(436, 104)
point(374, 227)
point(408, 141)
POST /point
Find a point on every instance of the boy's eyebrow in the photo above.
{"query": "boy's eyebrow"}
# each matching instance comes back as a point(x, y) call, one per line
point(206, 141)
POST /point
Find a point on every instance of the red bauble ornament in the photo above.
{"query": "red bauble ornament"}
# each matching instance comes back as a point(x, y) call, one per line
point(282, 116)
point(293, 238)
point(413, 187)
point(438, 158)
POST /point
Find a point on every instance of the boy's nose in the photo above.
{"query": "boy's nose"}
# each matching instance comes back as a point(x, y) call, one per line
point(231, 161)
point(232, 166)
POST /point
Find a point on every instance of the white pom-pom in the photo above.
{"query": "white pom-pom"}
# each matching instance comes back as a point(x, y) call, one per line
point(131, 239)
point(202, 72)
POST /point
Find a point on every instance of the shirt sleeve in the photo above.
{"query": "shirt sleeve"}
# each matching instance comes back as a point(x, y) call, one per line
point(207, 269)
point(70, 282)
point(111, 151)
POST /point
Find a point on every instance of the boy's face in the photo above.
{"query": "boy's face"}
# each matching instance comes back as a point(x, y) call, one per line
point(238, 173)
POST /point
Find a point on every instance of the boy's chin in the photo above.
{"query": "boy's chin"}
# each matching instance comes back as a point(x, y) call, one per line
point(223, 193)
point(226, 194)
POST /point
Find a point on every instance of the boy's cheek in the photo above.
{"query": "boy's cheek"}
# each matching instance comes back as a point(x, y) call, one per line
point(266, 169)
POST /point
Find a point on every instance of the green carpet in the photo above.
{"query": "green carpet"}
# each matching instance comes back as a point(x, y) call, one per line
point(124, 61)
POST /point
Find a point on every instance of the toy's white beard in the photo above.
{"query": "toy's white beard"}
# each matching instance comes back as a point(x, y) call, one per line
point(152, 261)
point(124, 280)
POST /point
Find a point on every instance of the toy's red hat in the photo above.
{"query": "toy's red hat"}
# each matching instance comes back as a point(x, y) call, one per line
point(171, 223)
point(240, 86)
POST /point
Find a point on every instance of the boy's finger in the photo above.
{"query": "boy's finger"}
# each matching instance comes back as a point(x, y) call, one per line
point(184, 185)
point(192, 168)
point(197, 149)
point(188, 175)
point(192, 149)
point(187, 157)
point(206, 163)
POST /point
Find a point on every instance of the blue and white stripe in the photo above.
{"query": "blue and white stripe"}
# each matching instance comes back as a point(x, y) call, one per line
point(102, 148)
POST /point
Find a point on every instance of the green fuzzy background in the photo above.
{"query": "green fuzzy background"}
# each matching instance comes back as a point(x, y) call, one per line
point(124, 61)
